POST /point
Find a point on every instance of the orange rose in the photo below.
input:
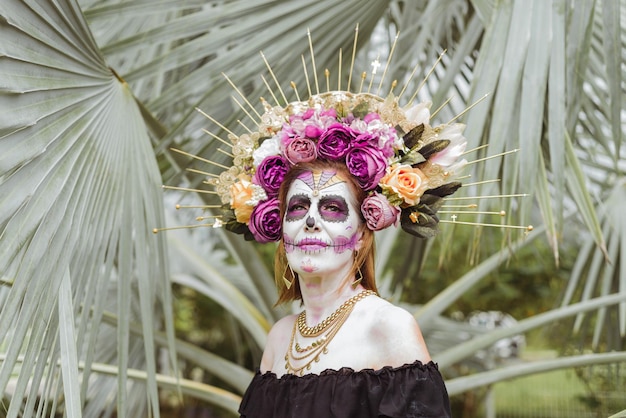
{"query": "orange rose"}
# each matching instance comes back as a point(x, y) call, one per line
point(407, 182)
point(240, 193)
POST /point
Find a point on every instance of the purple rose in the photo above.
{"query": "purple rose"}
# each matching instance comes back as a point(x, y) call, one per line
point(378, 212)
point(270, 174)
point(368, 165)
point(365, 140)
point(301, 150)
point(334, 143)
point(265, 223)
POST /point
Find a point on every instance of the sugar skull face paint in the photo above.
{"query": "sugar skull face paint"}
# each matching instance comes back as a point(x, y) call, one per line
point(321, 223)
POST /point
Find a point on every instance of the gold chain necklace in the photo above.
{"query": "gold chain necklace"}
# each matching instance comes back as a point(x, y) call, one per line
point(329, 327)
point(318, 329)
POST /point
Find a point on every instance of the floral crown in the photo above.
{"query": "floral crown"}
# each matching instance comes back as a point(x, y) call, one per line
point(405, 165)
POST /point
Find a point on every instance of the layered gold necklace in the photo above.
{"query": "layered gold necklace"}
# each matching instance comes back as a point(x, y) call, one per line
point(325, 330)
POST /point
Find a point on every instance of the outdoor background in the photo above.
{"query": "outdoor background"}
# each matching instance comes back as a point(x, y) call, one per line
point(100, 317)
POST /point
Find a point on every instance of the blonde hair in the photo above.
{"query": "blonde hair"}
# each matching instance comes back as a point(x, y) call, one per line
point(363, 264)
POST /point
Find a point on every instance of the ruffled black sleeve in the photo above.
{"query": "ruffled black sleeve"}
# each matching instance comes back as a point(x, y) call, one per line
point(411, 391)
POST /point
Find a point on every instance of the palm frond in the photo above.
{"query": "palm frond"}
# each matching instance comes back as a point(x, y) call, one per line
point(77, 207)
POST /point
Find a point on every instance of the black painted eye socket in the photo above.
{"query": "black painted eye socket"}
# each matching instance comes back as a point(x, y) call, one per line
point(334, 208)
point(297, 207)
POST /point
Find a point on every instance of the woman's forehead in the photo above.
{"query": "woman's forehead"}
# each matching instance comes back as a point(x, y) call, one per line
point(300, 186)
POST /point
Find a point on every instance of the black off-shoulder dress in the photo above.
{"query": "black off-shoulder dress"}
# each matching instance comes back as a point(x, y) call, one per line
point(410, 391)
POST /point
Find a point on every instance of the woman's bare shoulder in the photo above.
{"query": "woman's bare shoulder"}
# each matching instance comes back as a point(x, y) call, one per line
point(277, 339)
point(396, 333)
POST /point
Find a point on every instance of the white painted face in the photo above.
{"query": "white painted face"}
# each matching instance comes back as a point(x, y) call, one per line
point(321, 224)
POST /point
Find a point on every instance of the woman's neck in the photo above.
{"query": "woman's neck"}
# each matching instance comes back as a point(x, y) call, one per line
point(321, 295)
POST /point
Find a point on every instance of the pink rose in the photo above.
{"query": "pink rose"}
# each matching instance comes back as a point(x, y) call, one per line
point(378, 212)
point(301, 150)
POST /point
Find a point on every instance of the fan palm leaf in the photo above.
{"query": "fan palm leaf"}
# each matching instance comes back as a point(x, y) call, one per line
point(83, 156)
point(75, 213)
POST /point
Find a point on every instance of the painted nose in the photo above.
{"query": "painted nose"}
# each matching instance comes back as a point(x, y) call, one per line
point(310, 222)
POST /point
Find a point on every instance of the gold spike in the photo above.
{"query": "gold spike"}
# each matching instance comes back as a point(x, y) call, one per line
point(193, 170)
point(440, 107)
point(356, 36)
point(426, 78)
point(270, 90)
point(217, 137)
point(475, 149)
point(306, 76)
point(327, 75)
point(295, 90)
point(267, 64)
point(185, 189)
point(199, 158)
point(527, 228)
point(363, 77)
point(308, 34)
point(476, 183)
point(245, 111)
point(486, 197)
point(225, 153)
point(408, 81)
point(215, 121)
point(375, 64)
point(171, 228)
point(493, 156)
point(244, 126)
point(470, 206)
point(393, 47)
point(394, 83)
point(339, 72)
point(474, 212)
point(468, 108)
point(203, 218)
point(197, 207)
point(241, 95)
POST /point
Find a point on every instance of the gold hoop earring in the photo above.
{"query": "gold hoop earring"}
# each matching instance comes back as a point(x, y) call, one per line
point(288, 283)
point(357, 282)
point(359, 278)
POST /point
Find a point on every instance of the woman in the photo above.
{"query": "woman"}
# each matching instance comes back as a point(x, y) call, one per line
point(320, 177)
point(369, 358)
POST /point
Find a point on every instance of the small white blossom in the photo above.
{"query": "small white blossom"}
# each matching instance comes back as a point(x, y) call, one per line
point(419, 113)
point(258, 194)
point(269, 147)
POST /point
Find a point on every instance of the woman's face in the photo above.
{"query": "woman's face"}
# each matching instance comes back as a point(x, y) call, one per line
point(321, 224)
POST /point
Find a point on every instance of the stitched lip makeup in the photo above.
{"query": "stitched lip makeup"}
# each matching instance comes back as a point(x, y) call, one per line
point(311, 244)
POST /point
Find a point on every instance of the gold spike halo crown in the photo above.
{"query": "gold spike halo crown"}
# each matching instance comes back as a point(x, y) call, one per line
point(406, 165)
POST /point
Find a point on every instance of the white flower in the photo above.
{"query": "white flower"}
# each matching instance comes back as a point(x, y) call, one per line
point(419, 113)
point(258, 194)
point(269, 147)
point(450, 155)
